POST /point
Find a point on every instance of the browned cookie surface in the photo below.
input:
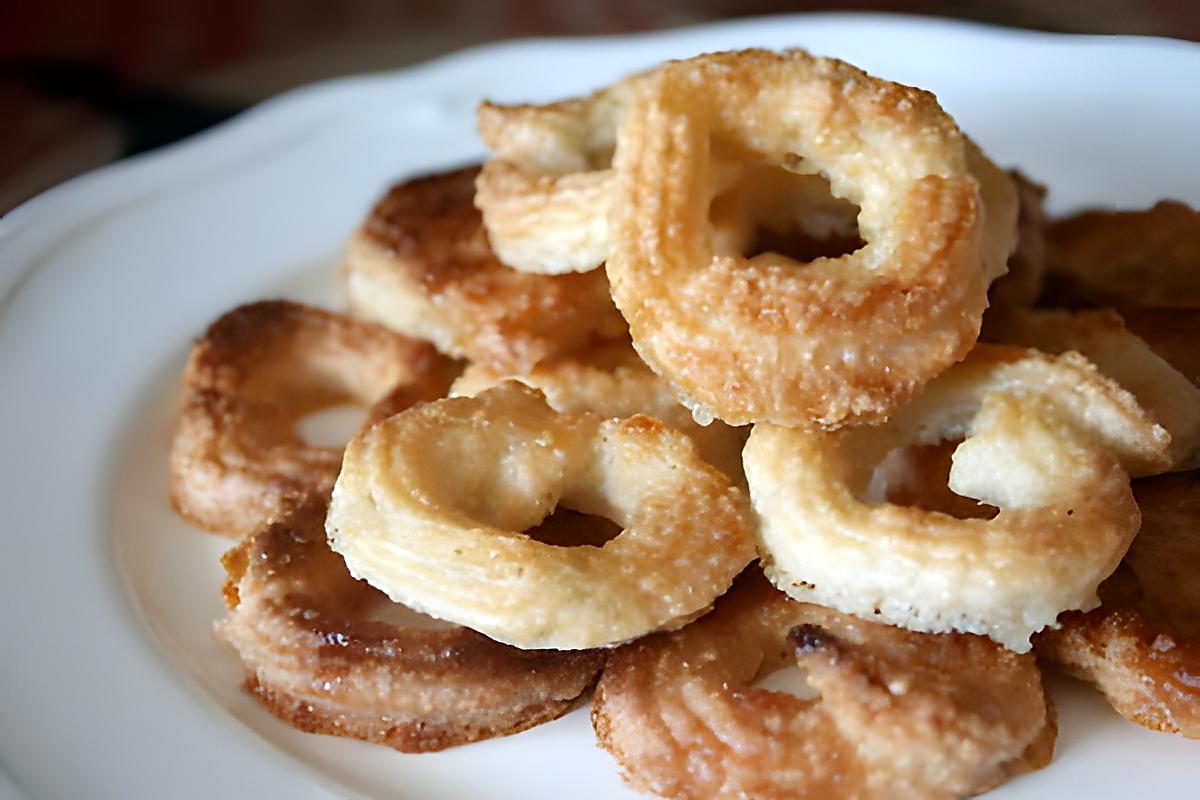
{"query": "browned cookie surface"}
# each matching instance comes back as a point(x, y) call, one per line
point(421, 264)
point(1141, 647)
point(897, 713)
point(257, 371)
point(329, 654)
point(1126, 258)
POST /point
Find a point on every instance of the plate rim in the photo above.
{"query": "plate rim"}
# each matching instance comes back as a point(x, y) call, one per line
point(62, 209)
point(50, 201)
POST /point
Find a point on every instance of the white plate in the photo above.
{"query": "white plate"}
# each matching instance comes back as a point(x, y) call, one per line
point(110, 684)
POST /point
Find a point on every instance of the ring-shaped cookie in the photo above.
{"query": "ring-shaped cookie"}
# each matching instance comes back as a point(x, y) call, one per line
point(1102, 336)
point(326, 654)
point(546, 193)
point(236, 457)
point(838, 340)
point(1048, 440)
point(1141, 647)
point(610, 380)
point(898, 713)
point(421, 264)
point(431, 505)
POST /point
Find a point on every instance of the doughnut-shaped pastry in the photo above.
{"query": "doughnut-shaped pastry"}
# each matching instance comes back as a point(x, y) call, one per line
point(1126, 258)
point(899, 714)
point(236, 457)
point(1141, 647)
point(546, 193)
point(431, 504)
point(321, 657)
point(1170, 397)
point(421, 264)
point(837, 341)
point(1047, 440)
point(610, 380)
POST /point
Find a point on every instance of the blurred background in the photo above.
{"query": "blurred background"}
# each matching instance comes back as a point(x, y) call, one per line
point(85, 82)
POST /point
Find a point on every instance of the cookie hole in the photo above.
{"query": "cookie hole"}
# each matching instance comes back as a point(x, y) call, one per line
point(567, 528)
point(401, 616)
point(801, 246)
point(332, 426)
point(917, 476)
point(770, 209)
point(790, 679)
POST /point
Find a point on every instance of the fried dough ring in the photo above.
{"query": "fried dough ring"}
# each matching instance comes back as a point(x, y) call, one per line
point(900, 714)
point(1048, 440)
point(840, 340)
point(430, 505)
point(1141, 647)
point(547, 191)
point(610, 380)
point(258, 370)
point(1170, 397)
point(1126, 258)
point(318, 657)
point(421, 264)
